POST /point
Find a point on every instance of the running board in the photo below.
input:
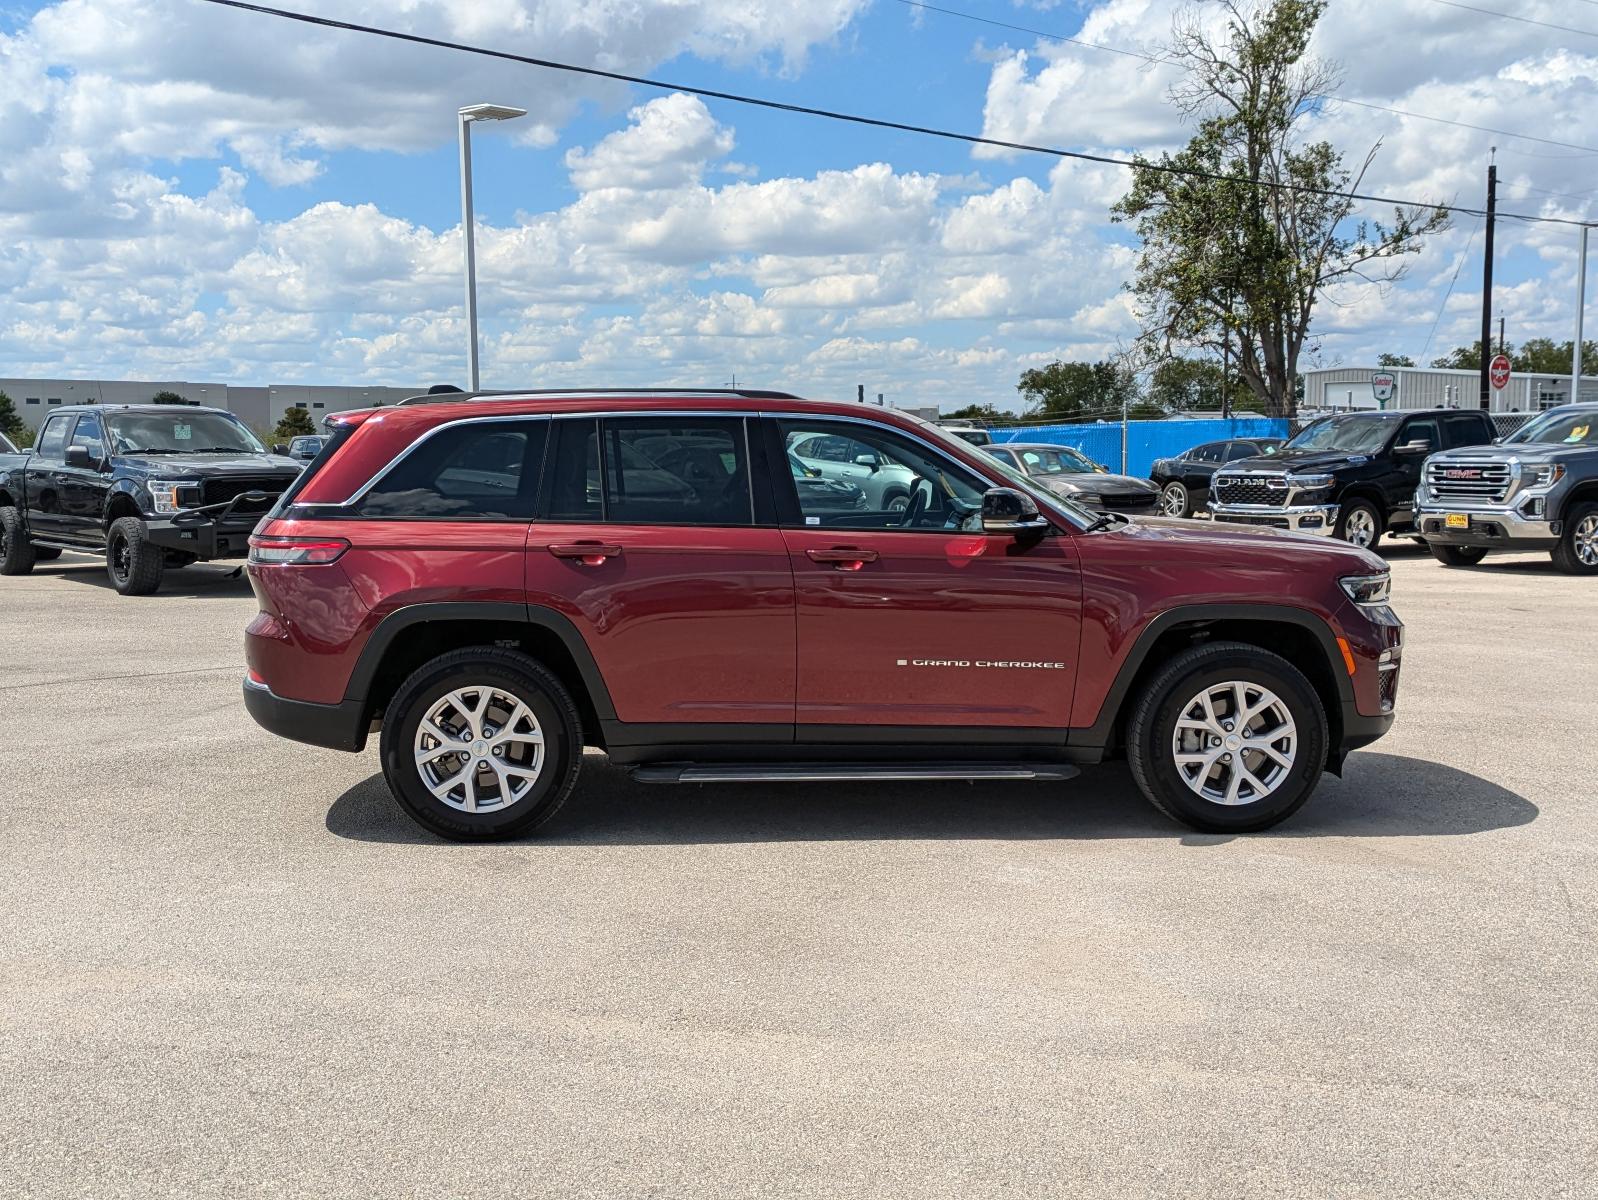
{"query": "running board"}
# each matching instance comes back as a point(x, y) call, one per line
point(848, 772)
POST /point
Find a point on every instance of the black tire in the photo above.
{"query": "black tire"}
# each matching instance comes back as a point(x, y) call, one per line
point(1581, 525)
point(1176, 500)
point(518, 676)
point(1457, 556)
point(1152, 727)
point(896, 501)
point(46, 553)
point(16, 551)
point(1346, 517)
point(134, 565)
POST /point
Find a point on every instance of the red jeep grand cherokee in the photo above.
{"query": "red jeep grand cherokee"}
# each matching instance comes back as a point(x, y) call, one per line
point(675, 578)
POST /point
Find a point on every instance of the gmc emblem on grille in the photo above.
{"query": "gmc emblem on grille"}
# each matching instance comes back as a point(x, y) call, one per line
point(1462, 473)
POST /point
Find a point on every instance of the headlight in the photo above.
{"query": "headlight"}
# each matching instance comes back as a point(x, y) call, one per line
point(1310, 481)
point(1083, 497)
point(173, 495)
point(1545, 475)
point(1373, 591)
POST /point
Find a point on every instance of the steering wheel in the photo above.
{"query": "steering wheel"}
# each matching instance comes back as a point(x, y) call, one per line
point(920, 502)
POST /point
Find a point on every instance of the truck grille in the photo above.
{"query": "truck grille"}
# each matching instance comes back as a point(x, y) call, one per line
point(1251, 489)
point(220, 491)
point(1468, 479)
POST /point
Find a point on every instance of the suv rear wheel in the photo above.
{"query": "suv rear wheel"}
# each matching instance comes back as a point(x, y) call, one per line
point(1227, 738)
point(481, 744)
point(1577, 552)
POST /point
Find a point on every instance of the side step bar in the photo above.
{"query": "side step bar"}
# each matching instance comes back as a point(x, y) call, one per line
point(847, 772)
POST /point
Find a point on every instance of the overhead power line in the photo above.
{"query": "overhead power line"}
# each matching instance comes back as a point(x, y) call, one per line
point(1493, 12)
point(857, 119)
point(1156, 60)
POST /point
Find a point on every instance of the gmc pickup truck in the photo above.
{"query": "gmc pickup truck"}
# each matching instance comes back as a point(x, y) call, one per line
point(1535, 490)
point(148, 486)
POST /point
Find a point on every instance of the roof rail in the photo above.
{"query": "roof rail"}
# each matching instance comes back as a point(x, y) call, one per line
point(457, 397)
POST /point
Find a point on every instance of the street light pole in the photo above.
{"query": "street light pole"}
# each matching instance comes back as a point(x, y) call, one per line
point(1581, 306)
point(474, 112)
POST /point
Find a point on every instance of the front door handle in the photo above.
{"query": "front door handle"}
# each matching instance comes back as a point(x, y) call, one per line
point(844, 558)
point(590, 554)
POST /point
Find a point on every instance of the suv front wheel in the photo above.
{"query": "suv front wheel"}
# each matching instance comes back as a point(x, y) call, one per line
point(1227, 738)
point(481, 744)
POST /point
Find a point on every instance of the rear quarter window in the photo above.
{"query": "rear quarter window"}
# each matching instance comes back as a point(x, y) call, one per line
point(474, 470)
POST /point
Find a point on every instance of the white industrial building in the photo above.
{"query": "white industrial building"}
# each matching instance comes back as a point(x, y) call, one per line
point(259, 407)
point(1350, 389)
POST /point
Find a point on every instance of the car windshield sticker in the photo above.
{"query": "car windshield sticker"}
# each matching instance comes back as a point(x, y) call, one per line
point(182, 433)
point(812, 520)
point(1578, 434)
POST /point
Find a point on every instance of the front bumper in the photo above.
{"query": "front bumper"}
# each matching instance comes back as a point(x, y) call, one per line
point(1490, 526)
point(338, 726)
point(1301, 518)
point(203, 538)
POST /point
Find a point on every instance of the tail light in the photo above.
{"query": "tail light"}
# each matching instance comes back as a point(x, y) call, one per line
point(296, 551)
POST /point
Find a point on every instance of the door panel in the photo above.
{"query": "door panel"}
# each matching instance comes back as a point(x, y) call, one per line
point(84, 490)
point(939, 628)
point(686, 625)
point(42, 478)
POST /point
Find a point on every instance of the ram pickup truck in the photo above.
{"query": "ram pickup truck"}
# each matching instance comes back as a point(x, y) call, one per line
point(1352, 476)
point(147, 486)
point(1535, 490)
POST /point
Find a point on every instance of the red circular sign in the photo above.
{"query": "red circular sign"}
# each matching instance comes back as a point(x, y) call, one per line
point(1498, 371)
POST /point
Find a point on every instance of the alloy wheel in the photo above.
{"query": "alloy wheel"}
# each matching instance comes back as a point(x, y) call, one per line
point(1584, 540)
point(1173, 500)
point(120, 557)
point(479, 749)
point(1360, 529)
point(1234, 743)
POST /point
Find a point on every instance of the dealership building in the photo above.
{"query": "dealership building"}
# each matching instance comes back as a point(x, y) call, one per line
point(259, 407)
point(1356, 389)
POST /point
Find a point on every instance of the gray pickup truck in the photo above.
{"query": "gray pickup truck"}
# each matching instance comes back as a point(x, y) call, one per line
point(1536, 489)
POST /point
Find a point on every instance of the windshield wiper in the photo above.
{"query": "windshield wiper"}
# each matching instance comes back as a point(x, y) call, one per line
point(153, 450)
point(1102, 521)
point(222, 450)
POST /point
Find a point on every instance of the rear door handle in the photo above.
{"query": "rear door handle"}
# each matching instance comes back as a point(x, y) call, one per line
point(844, 558)
point(591, 554)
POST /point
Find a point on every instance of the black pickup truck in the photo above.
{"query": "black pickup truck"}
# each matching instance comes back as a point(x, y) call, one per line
point(148, 486)
point(1351, 476)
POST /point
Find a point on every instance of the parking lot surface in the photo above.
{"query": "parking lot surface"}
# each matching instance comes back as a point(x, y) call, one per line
point(229, 965)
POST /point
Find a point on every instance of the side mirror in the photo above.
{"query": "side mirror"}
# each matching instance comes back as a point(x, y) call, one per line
point(866, 460)
point(1416, 447)
point(79, 456)
point(1006, 510)
point(279, 448)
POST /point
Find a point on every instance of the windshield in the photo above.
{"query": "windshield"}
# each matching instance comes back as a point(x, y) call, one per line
point(1051, 462)
point(1560, 428)
point(1012, 476)
point(1347, 435)
point(183, 431)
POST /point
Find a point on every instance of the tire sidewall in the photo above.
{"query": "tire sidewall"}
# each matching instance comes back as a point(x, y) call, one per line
point(1172, 791)
point(552, 708)
point(1348, 511)
point(1173, 489)
point(1565, 557)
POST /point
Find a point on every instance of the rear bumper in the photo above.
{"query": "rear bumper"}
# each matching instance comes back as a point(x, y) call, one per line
point(335, 726)
point(1303, 518)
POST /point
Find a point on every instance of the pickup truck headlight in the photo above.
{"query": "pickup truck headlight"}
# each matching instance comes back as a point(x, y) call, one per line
point(1310, 482)
point(173, 495)
point(1372, 591)
point(1533, 475)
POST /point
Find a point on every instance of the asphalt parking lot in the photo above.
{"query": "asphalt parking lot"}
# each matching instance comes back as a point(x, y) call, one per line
point(228, 965)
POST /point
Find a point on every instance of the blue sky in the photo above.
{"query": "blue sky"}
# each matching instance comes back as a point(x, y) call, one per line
point(190, 192)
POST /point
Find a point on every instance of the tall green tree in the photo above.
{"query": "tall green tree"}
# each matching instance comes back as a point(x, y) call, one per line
point(1198, 385)
point(1394, 360)
point(1240, 236)
point(977, 412)
point(11, 422)
point(1076, 391)
point(296, 422)
point(167, 397)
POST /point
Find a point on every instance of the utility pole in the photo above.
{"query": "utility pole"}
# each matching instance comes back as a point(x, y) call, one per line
point(1487, 284)
point(1581, 304)
point(860, 392)
point(1503, 346)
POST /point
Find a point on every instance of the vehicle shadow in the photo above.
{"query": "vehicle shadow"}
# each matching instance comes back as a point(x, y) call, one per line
point(200, 581)
point(1382, 795)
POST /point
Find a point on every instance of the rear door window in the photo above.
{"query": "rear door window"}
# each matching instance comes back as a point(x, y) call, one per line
point(1465, 430)
point(1209, 453)
point(676, 471)
point(474, 470)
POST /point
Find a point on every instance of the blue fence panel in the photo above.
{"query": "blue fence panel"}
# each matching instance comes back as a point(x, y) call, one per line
point(1145, 440)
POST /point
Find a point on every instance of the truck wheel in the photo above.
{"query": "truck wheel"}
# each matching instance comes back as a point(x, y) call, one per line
point(1457, 556)
point(1227, 738)
point(1359, 524)
point(1174, 500)
point(1577, 552)
point(481, 744)
point(16, 551)
point(134, 565)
